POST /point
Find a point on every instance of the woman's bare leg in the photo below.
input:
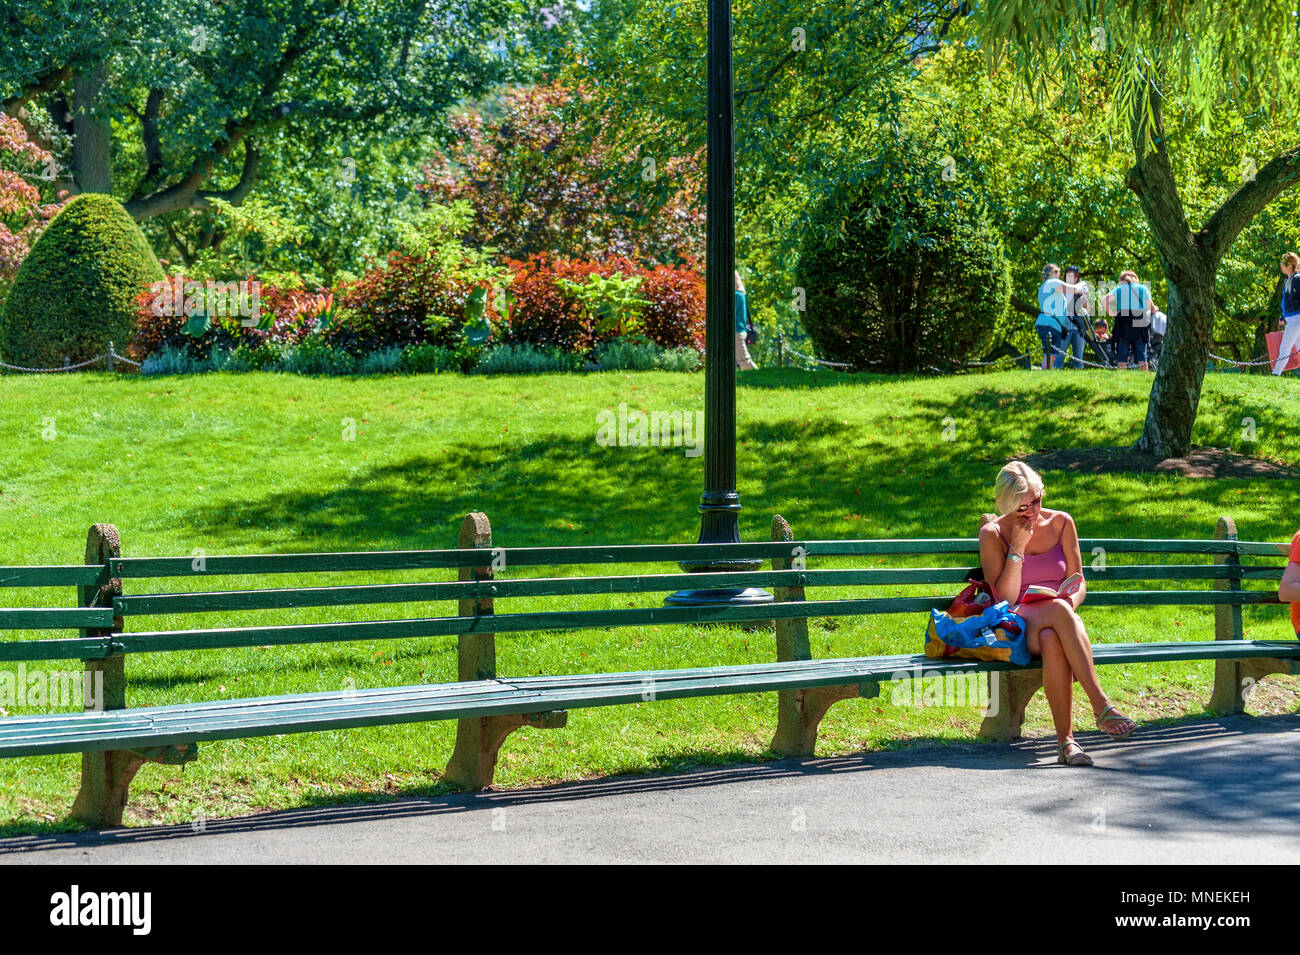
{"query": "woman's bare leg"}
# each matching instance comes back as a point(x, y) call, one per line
point(1060, 616)
point(1058, 683)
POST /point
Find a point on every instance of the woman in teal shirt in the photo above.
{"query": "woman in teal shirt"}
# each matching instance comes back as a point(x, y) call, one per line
point(743, 361)
point(1052, 323)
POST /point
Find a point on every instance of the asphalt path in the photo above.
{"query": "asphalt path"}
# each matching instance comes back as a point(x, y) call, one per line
point(1214, 791)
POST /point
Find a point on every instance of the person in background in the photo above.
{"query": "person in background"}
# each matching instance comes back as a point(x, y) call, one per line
point(1052, 322)
point(1101, 336)
point(1159, 324)
point(743, 360)
point(1131, 304)
point(1077, 308)
point(1288, 591)
point(1290, 311)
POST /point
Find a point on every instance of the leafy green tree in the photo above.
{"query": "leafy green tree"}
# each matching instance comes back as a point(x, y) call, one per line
point(1198, 57)
point(171, 105)
point(811, 80)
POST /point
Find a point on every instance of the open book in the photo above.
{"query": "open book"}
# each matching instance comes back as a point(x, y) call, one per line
point(1069, 587)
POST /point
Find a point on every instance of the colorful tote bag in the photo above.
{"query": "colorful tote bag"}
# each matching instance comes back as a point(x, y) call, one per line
point(995, 634)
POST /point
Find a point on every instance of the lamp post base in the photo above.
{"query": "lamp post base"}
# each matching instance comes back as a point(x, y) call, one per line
point(746, 597)
point(719, 524)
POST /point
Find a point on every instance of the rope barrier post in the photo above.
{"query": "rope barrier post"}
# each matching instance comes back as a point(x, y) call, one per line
point(780, 350)
point(110, 356)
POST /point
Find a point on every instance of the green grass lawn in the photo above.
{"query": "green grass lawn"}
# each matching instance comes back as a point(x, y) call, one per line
point(259, 463)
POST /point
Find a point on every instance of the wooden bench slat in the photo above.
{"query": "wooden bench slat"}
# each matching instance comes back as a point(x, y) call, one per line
point(55, 618)
point(227, 719)
point(141, 604)
point(1263, 548)
point(70, 648)
point(216, 638)
point(213, 638)
point(219, 638)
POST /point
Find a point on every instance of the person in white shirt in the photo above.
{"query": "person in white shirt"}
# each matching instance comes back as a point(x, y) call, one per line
point(1159, 323)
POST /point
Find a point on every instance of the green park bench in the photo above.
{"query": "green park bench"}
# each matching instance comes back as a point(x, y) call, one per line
point(117, 740)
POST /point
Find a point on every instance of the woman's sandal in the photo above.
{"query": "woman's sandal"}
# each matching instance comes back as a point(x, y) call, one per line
point(1077, 757)
point(1103, 719)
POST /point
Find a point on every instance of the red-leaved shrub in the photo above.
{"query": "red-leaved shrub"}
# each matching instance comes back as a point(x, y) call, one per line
point(406, 301)
point(23, 213)
point(294, 314)
point(675, 316)
point(543, 314)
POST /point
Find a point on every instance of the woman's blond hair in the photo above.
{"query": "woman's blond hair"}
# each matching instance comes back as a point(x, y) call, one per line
point(1291, 259)
point(1128, 274)
point(1013, 482)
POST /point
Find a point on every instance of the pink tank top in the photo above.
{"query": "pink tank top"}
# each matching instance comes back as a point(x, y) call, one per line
point(1046, 569)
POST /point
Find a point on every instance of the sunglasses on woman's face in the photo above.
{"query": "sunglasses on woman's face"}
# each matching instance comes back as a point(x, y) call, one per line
point(1034, 503)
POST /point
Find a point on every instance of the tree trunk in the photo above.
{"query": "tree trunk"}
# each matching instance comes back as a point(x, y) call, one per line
point(1190, 267)
point(1176, 392)
point(92, 133)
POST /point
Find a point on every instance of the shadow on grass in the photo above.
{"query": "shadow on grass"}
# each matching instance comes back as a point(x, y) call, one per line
point(884, 478)
point(1223, 785)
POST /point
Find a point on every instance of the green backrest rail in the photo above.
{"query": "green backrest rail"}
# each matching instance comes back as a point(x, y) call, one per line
point(288, 598)
point(142, 567)
point(546, 621)
point(55, 618)
point(66, 575)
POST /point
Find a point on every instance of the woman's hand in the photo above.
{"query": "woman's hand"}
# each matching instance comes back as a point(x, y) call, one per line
point(1022, 529)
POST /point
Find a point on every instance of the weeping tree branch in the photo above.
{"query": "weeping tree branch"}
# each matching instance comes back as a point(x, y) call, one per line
point(1248, 201)
point(1152, 179)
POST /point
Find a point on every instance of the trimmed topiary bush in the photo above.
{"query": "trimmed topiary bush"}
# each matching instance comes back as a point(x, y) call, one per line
point(902, 271)
point(76, 290)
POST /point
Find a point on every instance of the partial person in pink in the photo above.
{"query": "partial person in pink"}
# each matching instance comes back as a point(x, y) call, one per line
point(1028, 545)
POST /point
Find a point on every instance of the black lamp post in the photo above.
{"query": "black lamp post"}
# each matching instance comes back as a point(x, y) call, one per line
point(720, 504)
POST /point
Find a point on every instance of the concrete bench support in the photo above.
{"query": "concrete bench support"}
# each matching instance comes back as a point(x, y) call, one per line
point(1235, 680)
point(106, 775)
point(1009, 694)
point(800, 712)
point(478, 740)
